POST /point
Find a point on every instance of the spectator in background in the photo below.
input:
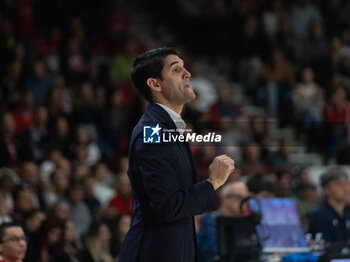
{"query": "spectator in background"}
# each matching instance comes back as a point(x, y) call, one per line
point(84, 137)
point(284, 183)
point(280, 160)
point(85, 107)
point(332, 219)
point(235, 134)
point(119, 228)
point(231, 196)
point(11, 85)
point(72, 244)
point(252, 162)
point(40, 83)
point(122, 63)
point(251, 45)
point(102, 189)
point(79, 212)
point(5, 210)
point(57, 187)
point(8, 181)
point(308, 101)
point(32, 225)
point(206, 93)
point(224, 107)
point(24, 113)
point(32, 179)
point(115, 120)
point(315, 45)
point(307, 202)
point(89, 199)
point(284, 38)
point(97, 241)
point(259, 130)
point(262, 186)
point(13, 242)
point(61, 210)
point(36, 137)
point(23, 203)
point(122, 201)
point(302, 14)
point(279, 78)
point(8, 146)
point(334, 115)
point(203, 156)
point(60, 136)
point(52, 240)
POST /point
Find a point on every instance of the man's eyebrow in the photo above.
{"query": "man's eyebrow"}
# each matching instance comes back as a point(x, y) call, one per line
point(173, 63)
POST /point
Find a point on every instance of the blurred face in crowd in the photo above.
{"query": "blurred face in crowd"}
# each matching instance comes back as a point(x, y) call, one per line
point(30, 173)
point(54, 236)
point(83, 135)
point(231, 197)
point(62, 126)
point(225, 93)
point(76, 194)
point(70, 233)
point(41, 116)
point(8, 126)
point(39, 69)
point(28, 99)
point(15, 69)
point(62, 211)
point(104, 234)
point(252, 152)
point(308, 76)
point(24, 201)
point(13, 245)
point(33, 223)
point(101, 172)
point(337, 190)
point(60, 180)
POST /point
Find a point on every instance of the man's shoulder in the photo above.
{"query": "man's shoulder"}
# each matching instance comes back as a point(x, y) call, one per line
point(323, 212)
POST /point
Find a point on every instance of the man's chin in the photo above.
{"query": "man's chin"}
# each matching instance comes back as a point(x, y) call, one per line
point(191, 97)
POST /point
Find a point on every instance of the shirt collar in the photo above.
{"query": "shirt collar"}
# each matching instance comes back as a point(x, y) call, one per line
point(178, 121)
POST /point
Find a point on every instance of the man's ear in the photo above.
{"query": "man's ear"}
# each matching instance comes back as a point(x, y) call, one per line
point(1, 248)
point(154, 84)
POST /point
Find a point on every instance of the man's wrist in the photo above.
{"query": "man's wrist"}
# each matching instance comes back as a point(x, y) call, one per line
point(215, 185)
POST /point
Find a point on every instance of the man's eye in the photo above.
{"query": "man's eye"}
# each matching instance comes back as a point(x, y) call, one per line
point(176, 69)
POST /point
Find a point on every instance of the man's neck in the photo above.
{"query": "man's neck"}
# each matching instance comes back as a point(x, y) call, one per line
point(337, 206)
point(228, 213)
point(175, 108)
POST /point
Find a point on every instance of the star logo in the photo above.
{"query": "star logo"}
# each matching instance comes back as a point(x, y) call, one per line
point(151, 134)
point(156, 129)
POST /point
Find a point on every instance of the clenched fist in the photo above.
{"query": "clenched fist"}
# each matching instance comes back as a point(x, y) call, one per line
point(220, 169)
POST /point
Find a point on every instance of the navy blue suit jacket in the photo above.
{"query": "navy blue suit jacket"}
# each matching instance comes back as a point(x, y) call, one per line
point(166, 196)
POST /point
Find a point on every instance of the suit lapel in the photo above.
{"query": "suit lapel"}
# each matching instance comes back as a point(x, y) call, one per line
point(165, 120)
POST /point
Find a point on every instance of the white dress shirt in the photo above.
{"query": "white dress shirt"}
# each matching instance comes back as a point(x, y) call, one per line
point(178, 121)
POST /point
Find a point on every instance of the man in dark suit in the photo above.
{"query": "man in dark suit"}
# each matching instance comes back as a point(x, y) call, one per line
point(166, 194)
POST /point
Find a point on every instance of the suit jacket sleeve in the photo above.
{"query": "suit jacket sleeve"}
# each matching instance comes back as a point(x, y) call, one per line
point(160, 171)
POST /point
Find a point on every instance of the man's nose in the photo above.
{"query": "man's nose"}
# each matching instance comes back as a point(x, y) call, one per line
point(187, 74)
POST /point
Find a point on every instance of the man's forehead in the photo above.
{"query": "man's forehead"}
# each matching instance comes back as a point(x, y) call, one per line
point(171, 60)
point(13, 230)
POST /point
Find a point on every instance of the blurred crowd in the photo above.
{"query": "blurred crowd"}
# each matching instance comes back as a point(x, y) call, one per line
point(67, 105)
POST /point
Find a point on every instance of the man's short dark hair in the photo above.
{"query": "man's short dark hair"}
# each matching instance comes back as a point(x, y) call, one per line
point(5, 226)
point(258, 183)
point(332, 174)
point(149, 65)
